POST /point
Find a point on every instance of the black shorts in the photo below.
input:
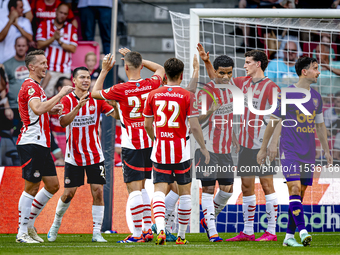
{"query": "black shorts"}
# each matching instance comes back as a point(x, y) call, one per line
point(247, 164)
point(136, 164)
point(36, 162)
point(220, 168)
point(74, 175)
point(172, 172)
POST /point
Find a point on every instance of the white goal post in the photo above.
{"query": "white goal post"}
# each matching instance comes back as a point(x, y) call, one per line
point(187, 31)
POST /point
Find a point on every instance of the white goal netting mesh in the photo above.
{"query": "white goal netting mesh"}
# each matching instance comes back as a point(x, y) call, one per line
point(283, 40)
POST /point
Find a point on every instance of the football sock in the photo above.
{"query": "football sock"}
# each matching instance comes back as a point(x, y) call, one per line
point(60, 210)
point(271, 211)
point(184, 210)
point(291, 226)
point(296, 209)
point(136, 207)
point(220, 201)
point(170, 205)
point(249, 206)
point(209, 212)
point(39, 202)
point(25, 203)
point(159, 210)
point(147, 210)
point(97, 215)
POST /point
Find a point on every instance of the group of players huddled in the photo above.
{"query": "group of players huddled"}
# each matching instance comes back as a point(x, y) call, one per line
point(157, 116)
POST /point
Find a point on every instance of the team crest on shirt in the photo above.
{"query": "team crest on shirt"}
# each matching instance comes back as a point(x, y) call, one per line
point(257, 92)
point(154, 77)
point(137, 84)
point(31, 91)
point(75, 37)
point(106, 90)
point(195, 105)
point(67, 180)
point(36, 174)
point(92, 108)
point(316, 102)
point(169, 89)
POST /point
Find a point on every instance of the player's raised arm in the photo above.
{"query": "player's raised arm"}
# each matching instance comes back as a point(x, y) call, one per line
point(107, 65)
point(194, 79)
point(321, 131)
point(205, 58)
point(40, 108)
point(65, 120)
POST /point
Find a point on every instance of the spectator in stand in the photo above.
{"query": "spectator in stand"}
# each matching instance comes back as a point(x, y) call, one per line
point(11, 27)
point(309, 4)
point(336, 4)
point(17, 72)
point(46, 9)
point(27, 9)
point(90, 62)
point(332, 122)
point(59, 39)
point(282, 71)
point(290, 4)
point(92, 10)
point(329, 78)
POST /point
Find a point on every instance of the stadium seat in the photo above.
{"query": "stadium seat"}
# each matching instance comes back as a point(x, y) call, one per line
point(78, 58)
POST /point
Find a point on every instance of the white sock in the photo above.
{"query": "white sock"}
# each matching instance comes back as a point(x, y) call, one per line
point(39, 202)
point(184, 211)
point(136, 207)
point(303, 231)
point(170, 205)
point(19, 210)
point(59, 212)
point(159, 210)
point(288, 236)
point(249, 206)
point(97, 215)
point(271, 210)
point(147, 210)
point(209, 212)
point(220, 201)
point(25, 208)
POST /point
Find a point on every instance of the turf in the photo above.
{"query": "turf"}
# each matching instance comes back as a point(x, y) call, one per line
point(322, 243)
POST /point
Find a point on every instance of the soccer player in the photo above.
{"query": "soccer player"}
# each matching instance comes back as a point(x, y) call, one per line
point(252, 128)
point(81, 117)
point(297, 145)
point(136, 144)
point(172, 109)
point(218, 137)
point(33, 145)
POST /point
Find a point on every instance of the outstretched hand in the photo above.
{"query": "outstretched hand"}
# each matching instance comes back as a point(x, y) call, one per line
point(123, 51)
point(204, 55)
point(108, 62)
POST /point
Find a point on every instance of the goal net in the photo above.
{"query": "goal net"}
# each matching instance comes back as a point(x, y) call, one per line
point(284, 35)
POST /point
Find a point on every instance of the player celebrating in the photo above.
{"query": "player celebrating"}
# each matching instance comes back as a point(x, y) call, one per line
point(172, 108)
point(297, 146)
point(81, 116)
point(250, 139)
point(33, 145)
point(218, 137)
point(136, 144)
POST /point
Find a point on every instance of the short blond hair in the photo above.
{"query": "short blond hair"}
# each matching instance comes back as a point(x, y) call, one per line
point(90, 53)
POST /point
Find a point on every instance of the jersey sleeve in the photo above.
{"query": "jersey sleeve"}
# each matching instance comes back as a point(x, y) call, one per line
point(67, 106)
point(113, 93)
point(33, 92)
point(42, 32)
point(270, 92)
point(148, 110)
point(277, 112)
point(236, 82)
point(74, 36)
point(155, 81)
point(319, 115)
point(105, 107)
point(201, 94)
point(192, 110)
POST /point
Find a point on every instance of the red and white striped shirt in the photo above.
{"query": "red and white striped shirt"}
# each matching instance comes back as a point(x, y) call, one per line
point(216, 129)
point(35, 128)
point(83, 145)
point(131, 97)
point(58, 60)
point(171, 106)
point(252, 125)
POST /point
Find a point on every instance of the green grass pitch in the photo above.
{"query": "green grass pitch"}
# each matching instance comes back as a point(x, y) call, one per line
point(322, 243)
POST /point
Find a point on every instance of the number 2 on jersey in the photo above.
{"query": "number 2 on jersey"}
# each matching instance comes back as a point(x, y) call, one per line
point(172, 106)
